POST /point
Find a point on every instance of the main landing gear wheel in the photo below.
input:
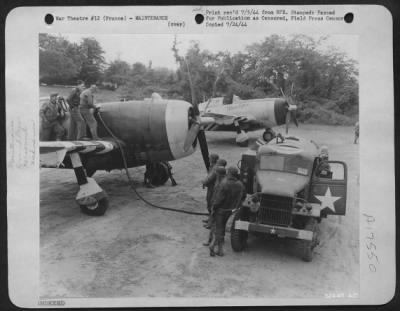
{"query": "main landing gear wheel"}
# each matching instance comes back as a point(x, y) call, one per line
point(308, 246)
point(238, 237)
point(158, 174)
point(97, 208)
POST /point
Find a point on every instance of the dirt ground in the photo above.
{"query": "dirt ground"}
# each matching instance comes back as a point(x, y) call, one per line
point(138, 251)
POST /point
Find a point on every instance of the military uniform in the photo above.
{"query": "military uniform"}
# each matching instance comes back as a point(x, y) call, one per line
point(231, 193)
point(209, 182)
point(220, 172)
point(86, 103)
point(50, 114)
point(76, 122)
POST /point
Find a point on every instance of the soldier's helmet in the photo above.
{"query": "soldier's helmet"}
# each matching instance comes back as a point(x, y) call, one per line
point(214, 157)
point(232, 171)
point(222, 162)
point(324, 154)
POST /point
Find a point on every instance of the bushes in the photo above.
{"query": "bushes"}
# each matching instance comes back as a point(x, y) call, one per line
point(315, 113)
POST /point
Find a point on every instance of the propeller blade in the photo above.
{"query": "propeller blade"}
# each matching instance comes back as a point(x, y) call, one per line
point(293, 113)
point(287, 121)
point(204, 148)
point(195, 130)
point(192, 135)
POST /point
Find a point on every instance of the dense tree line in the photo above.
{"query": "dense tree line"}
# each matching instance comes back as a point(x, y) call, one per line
point(63, 62)
point(323, 84)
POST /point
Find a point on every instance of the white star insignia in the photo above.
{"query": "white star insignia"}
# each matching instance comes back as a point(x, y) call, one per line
point(327, 200)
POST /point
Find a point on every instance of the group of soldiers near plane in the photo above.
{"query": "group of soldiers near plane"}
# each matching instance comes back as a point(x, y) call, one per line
point(81, 106)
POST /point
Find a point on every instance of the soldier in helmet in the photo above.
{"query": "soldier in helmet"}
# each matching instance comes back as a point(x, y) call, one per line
point(209, 181)
point(230, 195)
point(221, 173)
point(213, 160)
point(324, 169)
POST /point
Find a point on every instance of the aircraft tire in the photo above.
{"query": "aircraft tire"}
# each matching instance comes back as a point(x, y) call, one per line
point(308, 246)
point(159, 174)
point(98, 210)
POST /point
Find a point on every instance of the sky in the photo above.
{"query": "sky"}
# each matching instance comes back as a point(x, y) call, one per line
point(157, 48)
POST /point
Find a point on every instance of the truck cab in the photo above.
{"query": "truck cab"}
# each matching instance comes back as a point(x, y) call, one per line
point(290, 188)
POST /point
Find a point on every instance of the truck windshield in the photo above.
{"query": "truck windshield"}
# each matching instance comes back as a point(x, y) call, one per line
point(291, 164)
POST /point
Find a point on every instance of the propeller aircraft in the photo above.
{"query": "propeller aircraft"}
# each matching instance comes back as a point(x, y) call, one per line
point(133, 133)
point(248, 115)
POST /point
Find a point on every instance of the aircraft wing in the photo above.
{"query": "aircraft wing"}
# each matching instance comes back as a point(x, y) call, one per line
point(213, 120)
point(52, 153)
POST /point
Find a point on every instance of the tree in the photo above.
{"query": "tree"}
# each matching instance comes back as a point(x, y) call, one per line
point(57, 60)
point(117, 72)
point(92, 61)
point(61, 61)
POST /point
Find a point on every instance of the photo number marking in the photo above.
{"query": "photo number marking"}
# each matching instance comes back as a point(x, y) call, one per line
point(373, 260)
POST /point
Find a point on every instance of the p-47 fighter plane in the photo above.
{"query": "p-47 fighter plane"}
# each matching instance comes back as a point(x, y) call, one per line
point(134, 133)
point(247, 115)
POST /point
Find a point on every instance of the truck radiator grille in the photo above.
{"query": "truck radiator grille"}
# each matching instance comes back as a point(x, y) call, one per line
point(275, 210)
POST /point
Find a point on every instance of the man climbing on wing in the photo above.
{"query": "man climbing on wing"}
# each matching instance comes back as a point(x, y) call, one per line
point(76, 121)
point(86, 104)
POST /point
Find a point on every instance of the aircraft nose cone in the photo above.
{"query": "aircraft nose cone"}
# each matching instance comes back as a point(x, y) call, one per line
point(177, 126)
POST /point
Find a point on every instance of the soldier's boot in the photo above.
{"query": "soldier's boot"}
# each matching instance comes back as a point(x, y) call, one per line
point(209, 240)
point(220, 251)
point(212, 245)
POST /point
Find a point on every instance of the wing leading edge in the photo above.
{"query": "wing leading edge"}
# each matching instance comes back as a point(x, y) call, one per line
point(52, 153)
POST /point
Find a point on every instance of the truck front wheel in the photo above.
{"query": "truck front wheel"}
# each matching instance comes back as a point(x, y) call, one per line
point(238, 238)
point(308, 245)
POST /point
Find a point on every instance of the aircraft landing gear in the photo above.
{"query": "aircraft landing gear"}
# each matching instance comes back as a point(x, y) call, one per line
point(157, 174)
point(91, 198)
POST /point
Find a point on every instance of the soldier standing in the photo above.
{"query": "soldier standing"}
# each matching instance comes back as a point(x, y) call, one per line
point(50, 114)
point(209, 182)
point(220, 172)
point(76, 121)
point(211, 175)
point(356, 133)
point(213, 160)
point(231, 193)
point(87, 103)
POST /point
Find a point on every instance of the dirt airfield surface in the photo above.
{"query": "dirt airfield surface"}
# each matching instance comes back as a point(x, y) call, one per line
point(136, 250)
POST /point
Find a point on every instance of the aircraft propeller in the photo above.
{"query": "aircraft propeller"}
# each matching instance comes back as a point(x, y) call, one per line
point(195, 130)
point(291, 110)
